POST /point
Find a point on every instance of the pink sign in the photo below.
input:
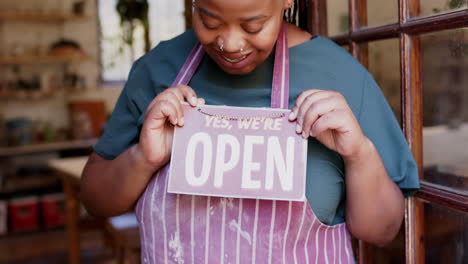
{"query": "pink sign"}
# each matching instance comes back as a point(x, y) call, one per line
point(238, 152)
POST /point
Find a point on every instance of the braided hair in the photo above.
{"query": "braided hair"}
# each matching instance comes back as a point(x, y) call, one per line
point(298, 14)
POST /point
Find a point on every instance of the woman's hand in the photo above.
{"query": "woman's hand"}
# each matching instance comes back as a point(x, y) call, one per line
point(326, 116)
point(162, 114)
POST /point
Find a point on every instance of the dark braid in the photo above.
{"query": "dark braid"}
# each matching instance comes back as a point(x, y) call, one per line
point(298, 14)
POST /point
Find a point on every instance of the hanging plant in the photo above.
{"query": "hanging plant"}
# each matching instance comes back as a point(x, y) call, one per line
point(453, 4)
point(133, 13)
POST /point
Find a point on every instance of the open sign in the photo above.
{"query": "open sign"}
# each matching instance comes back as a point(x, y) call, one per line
point(238, 152)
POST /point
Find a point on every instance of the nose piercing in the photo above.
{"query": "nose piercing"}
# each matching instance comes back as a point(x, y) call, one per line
point(221, 47)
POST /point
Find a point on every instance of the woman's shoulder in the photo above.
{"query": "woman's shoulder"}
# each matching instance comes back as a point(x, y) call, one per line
point(321, 64)
point(323, 52)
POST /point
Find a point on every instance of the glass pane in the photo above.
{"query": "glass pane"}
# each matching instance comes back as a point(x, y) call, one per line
point(445, 106)
point(445, 235)
point(392, 253)
point(435, 7)
point(381, 12)
point(337, 17)
point(346, 47)
point(384, 65)
point(166, 19)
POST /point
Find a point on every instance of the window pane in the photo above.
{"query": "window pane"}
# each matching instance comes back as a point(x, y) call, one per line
point(337, 17)
point(381, 12)
point(392, 253)
point(116, 57)
point(166, 19)
point(384, 64)
point(435, 7)
point(445, 235)
point(445, 96)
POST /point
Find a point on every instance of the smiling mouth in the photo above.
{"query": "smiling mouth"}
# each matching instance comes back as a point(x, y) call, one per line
point(234, 60)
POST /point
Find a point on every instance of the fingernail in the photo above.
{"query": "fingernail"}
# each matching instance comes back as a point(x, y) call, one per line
point(292, 116)
point(181, 121)
point(311, 134)
point(298, 129)
point(193, 100)
point(304, 135)
point(175, 122)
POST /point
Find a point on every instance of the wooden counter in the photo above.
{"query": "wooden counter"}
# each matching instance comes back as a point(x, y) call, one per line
point(69, 170)
point(46, 147)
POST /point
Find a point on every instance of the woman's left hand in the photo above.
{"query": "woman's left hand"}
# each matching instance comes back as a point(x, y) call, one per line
point(326, 116)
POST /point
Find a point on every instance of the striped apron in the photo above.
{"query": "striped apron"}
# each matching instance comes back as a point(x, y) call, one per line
point(184, 229)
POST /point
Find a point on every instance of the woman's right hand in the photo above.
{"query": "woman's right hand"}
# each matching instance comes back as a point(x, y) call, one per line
point(162, 114)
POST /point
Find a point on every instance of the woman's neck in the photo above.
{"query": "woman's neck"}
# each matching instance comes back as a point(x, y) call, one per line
point(296, 35)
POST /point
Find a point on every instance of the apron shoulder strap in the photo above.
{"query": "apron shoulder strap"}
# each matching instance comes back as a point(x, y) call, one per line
point(190, 65)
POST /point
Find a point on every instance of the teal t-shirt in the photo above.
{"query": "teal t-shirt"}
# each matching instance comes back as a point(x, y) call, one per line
point(316, 64)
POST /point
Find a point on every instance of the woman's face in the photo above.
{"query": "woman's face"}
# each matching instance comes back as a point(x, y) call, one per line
point(238, 34)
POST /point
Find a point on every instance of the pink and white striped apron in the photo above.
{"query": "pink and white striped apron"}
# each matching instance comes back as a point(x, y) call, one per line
point(178, 228)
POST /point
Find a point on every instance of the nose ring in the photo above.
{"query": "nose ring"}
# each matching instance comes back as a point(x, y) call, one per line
point(221, 47)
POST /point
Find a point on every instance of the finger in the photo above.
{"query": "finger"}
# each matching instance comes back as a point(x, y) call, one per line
point(201, 101)
point(162, 111)
point(302, 96)
point(169, 110)
point(177, 92)
point(153, 102)
point(307, 102)
point(189, 94)
point(317, 109)
point(177, 103)
point(335, 120)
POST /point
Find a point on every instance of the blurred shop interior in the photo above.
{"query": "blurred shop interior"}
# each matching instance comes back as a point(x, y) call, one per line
point(63, 64)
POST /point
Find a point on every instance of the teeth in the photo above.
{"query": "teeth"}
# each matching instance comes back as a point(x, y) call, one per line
point(234, 60)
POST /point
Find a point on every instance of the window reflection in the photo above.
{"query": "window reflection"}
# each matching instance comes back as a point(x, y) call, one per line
point(384, 65)
point(337, 17)
point(435, 7)
point(381, 12)
point(446, 235)
point(166, 21)
point(445, 96)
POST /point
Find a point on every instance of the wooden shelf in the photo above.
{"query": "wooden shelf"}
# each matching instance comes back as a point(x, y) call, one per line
point(46, 147)
point(42, 59)
point(18, 184)
point(41, 18)
point(25, 95)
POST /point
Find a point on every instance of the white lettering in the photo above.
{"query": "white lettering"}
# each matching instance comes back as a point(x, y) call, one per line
point(275, 159)
point(267, 125)
point(217, 123)
point(208, 120)
point(244, 123)
point(248, 164)
point(221, 165)
point(204, 139)
point(277, 124)
point(255, 124)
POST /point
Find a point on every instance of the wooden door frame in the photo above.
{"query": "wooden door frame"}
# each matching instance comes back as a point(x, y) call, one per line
point(407, 29)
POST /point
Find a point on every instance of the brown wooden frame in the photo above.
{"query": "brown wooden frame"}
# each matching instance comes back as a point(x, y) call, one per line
point(407, 29)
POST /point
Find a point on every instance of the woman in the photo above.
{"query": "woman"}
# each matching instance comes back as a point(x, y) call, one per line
point(359, 166)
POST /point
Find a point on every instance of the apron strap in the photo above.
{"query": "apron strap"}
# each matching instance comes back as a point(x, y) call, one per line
point(190, 66)
point(280, 83)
